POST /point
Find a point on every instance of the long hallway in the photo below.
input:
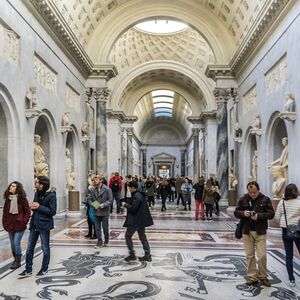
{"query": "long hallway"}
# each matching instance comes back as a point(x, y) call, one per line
point(191, 260)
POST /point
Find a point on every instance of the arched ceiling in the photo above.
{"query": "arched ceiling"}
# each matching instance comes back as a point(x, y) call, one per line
point(144, 110)
point(97, 24)
point(135, 47)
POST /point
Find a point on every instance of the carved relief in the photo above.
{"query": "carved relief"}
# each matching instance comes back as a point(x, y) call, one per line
point(276, 76)
point(249, 100)
point(44, 75)
point(72, 99)
point(10, 45)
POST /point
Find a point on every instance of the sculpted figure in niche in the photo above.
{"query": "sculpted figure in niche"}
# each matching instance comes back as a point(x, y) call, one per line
point(31, 97)
point(279, 183)
point(233, 181)
point(283, 159)
point(39, 154)
point(71, 181)
point(70, 176)
point(289, 103)
point(237, 131)
point(68, 162)
point(257, 121)
point(85, 129)
point(66, 119)
point(41, 169)
point(254, 166)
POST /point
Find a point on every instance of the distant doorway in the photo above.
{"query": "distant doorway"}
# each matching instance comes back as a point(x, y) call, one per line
point(164, 170)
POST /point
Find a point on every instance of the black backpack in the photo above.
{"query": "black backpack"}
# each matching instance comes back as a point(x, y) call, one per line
point(115, 185)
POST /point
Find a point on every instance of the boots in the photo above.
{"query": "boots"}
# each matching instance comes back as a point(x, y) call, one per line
point(130, 257)
point(17, 263)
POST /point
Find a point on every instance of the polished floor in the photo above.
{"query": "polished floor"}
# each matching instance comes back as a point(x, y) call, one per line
point(191, 260)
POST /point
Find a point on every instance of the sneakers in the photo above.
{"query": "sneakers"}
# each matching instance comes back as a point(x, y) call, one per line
point(266, 282)
point(251, 282)
point(130, 257)
point(146, 258)
point(42, 272)
point(98, 245)
point(292, 283)
point(25, 273)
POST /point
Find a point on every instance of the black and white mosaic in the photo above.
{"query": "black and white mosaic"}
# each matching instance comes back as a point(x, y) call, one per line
point(82, 273)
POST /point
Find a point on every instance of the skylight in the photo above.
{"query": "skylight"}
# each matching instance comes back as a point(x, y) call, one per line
point(161, 26)
point(163, 103)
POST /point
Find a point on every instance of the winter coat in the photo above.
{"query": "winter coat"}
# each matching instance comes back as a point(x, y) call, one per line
point(186, 188)
point(42, 218)
point(178, 184)
point(103, 195)
point(164, 188)
point(17, 222)
point(292, 209)
point(199, 189)
point(118, 179)
point(263, 208)
point(150, 188)
point(209, 195)
point(138, 214)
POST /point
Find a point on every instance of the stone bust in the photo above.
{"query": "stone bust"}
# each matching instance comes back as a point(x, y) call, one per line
point(39, 154)
point(41, 169)
point(279, 183)
point(237, 130)
point(66, 119)
point(85, 129)
point(289, 105)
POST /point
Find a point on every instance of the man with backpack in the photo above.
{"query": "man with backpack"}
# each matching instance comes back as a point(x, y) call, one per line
point(115, 184)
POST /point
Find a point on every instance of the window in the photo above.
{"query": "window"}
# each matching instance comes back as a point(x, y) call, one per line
point(163, 103)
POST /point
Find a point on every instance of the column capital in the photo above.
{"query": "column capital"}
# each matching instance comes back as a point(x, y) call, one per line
point(205, 115)
point(99, 94)
point(222, 94)
point(195, 131)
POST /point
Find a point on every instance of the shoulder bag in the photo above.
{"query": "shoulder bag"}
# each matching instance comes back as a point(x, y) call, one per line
point(292, 231)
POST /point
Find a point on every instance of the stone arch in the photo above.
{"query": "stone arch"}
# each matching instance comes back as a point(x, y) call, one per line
point(276, 131)
point(46, 128)
point(9, 133)
point(129, 14)
point(117, 102)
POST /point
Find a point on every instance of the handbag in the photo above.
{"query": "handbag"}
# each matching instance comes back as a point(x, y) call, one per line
point(91, 214)
point(239, 230)
point(217, 197)
point(292, 231)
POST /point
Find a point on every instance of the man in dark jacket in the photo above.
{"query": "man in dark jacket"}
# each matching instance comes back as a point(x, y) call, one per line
point(255, 209)
point(138, 217)
point(44, 208)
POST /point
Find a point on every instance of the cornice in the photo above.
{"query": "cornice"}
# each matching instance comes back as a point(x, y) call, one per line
point(113, 114)
point(216, 72)
point(47, 13)
point(205, 115)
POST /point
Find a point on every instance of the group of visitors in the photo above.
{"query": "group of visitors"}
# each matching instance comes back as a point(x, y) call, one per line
point(137, 196)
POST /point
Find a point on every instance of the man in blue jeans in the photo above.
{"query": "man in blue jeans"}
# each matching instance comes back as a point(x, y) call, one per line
point(44, 208)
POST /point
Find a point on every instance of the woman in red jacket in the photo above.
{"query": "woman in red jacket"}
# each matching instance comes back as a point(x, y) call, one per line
point(16, 214)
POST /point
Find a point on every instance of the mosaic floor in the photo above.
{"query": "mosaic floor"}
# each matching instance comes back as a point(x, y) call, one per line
point(191, 260)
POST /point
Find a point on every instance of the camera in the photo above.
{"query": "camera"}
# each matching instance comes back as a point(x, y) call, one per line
point(252, 213)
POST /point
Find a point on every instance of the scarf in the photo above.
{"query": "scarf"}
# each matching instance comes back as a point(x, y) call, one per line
point(13, 204)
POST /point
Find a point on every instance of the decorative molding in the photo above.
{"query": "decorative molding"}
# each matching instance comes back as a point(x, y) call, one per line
point(216, 72)
point(104, 72)
point(205, 115)
point(116, 114)
point(32, 113)
point(222, 94)
point(256, 131)
point(99, 94)
point(289, 116)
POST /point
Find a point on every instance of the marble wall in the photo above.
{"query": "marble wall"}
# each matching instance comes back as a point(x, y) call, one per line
point(33, 61)
point(261, 87)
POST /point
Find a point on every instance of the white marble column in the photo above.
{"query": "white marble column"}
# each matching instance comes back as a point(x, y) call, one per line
point(196, 157)
point(222, 95)
point(129, 151)
point(101, 97)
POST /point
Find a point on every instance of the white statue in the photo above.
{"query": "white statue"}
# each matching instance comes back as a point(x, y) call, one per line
point(254, 166)
point(257, 121)
point(31, 97)
point(41, 169)
point(70, 175)
point(39, 154)
point(279, 183)
point(71, 181)
point(85, 129)
point(289, 103)
point(66, 119)
point(68, 161)
point(233, 181)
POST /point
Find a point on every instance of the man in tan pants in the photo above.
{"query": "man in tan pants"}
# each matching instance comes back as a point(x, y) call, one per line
point(255, 209)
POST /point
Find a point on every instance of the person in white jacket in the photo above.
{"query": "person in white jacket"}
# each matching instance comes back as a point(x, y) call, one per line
point(291, 203)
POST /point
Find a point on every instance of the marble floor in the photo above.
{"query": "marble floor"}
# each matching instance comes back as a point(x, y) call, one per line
point(191, 260)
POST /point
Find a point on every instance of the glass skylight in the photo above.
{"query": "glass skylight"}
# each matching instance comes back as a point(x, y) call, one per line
point(161, 26)
point(163, 103)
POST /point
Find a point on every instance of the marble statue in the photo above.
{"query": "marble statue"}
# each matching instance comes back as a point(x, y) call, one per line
point(289, 105)
point(68, 161)
point(71, 181)
point(254, 165)
point(70, 175)
point(85, 129)
point(41, 169)
point(279, 183)
point(282, 161)
point(66, 119)
point(233, 181)
point(237, 131)
point(31, 97)
point(257, 121)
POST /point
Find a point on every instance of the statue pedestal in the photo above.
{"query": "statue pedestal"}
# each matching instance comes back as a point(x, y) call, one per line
point(74, 204)
point(272, 222)
point(232, 197)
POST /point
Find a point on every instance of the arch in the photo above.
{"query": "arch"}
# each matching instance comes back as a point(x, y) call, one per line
point(9, 137)
point(117, 103)
point(129, 14)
